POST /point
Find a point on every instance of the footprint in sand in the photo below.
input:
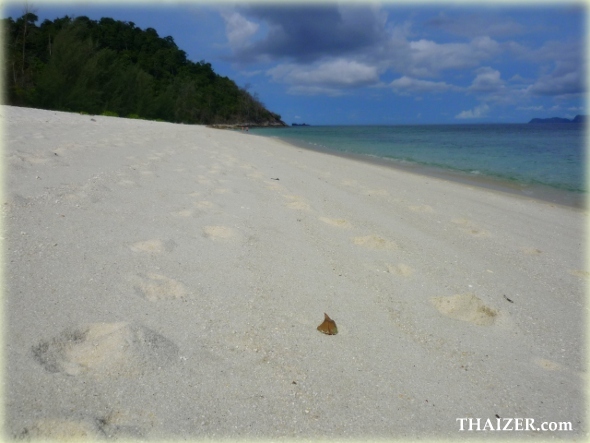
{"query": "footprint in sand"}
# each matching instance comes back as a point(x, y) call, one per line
point(374, 242)
point(218, 232)
point(297, 202)
point(256, 175)
point(274, 186)
point(116, 424)
point(155, 287)
point(204, 204)
point(22, 158)
point(338, 222)
point(62, 430)
point(153, 246)
point(465, 307)
point(579, 273)
point(531, 251)
point(400, 269)
point(106, 350)
point(547, 364)
point(202, 180)
point(469, 227)
point(216, 170)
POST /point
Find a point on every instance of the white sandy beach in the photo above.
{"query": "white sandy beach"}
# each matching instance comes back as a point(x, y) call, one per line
point(165, 281)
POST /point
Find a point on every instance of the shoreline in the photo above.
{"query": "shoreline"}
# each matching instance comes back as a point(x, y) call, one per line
point(536, 192)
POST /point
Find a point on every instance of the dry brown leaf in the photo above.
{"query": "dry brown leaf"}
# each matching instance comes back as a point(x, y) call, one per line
point(328, 326)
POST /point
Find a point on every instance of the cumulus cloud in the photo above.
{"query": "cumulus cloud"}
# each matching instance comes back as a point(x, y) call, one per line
point(569, 52)
point(238, 29)
point(427, 58)
point(331, 48)
point(306, 33)
point(343, 46)
point(558, 83)
point(487, 80)
point(325, 76)
point(477, 112)
point(406, 85)
point(563, 64)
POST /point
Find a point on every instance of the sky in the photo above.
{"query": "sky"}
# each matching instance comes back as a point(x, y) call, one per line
point(377, 63)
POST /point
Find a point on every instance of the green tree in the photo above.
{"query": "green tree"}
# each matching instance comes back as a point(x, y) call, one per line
point(109, 65)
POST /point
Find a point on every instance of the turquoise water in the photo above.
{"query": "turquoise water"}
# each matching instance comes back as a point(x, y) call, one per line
point(550, 155)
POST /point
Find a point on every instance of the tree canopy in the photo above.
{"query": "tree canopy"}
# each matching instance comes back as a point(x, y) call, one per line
point(83, 65)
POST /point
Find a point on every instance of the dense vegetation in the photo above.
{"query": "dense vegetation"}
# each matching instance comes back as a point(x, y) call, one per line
point(110, 66)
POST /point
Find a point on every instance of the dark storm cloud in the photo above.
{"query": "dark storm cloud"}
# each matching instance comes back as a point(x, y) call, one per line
point(308, 33)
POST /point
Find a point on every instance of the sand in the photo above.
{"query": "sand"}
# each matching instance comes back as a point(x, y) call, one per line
point(166, 281)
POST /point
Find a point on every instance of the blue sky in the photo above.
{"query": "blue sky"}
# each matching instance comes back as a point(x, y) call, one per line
point(377, 63)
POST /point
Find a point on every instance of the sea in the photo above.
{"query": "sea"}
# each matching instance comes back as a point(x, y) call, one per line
point(545, 161)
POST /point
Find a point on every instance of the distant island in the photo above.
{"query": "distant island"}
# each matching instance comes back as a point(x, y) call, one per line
point(576, 119)
point(299, 124)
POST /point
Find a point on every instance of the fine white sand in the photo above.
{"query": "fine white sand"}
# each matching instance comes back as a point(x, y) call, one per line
point(166, 281)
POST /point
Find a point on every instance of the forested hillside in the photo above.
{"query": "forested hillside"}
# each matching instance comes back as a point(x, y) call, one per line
point(115, 67)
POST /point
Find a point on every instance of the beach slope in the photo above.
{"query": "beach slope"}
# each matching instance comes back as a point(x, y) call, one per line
point(166, 281)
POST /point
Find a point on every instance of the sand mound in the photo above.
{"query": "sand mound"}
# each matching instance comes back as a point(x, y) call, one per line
point(547, 364)
point(374, 242)
point(400, 269)
point(105, 349)
point(116, 424)
point(218, 232)
point(153, 246)
point(297, 202)
point(465, 307)
point(156, 287)
point(471, 228)
point(579, 273)
point(339, 222)
point(62, 430)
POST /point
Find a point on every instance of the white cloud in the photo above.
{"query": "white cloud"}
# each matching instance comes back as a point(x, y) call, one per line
point(562, 65)
point(406, 85)
point(487, 80)
point(426, 58)
point(324, 76)
point(238, 29)
point(338, 48)
point(562, 83)
point(477, 112)
point(315, 90)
